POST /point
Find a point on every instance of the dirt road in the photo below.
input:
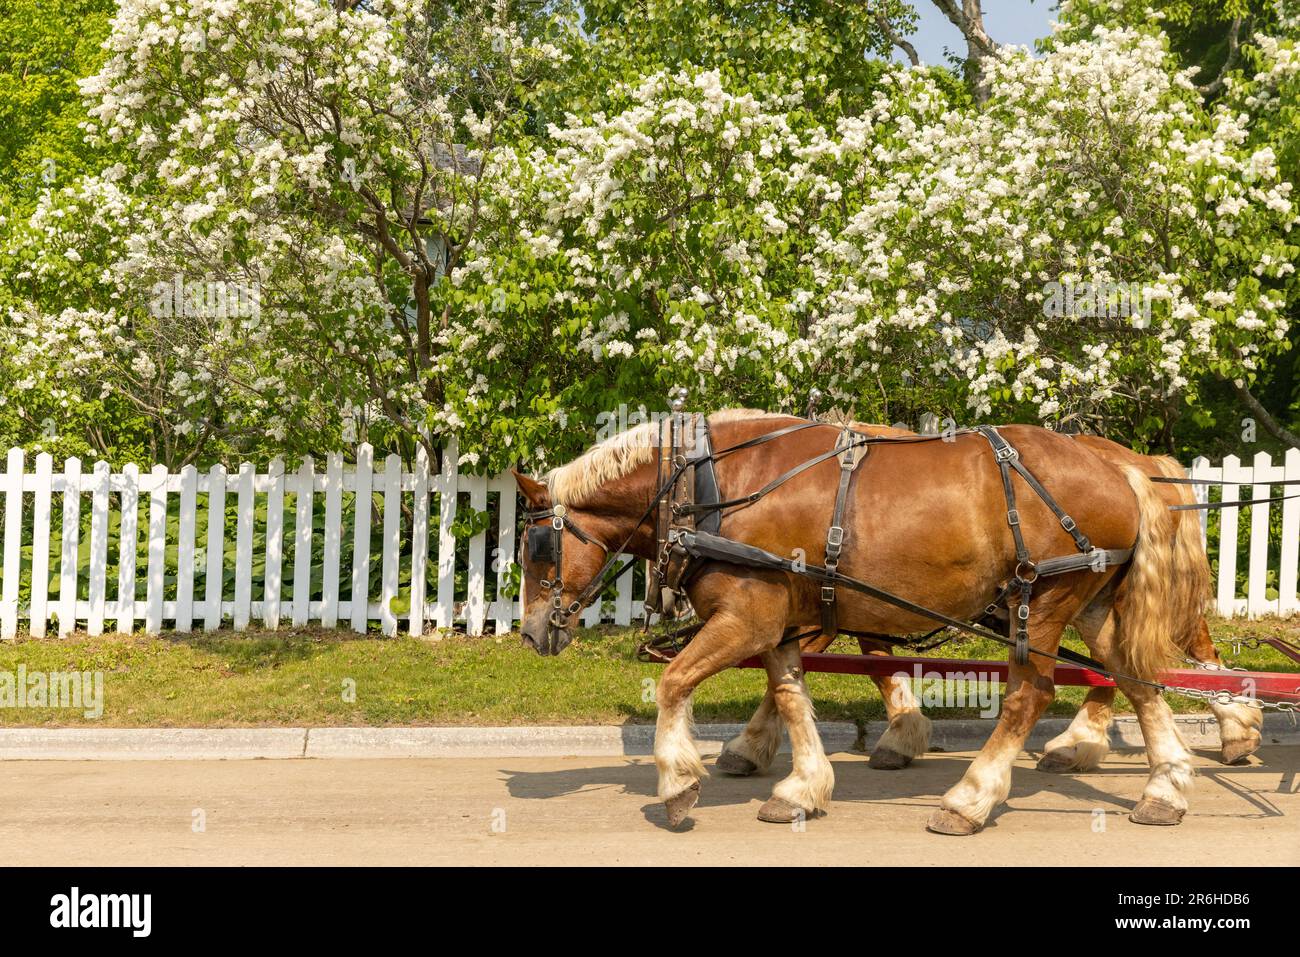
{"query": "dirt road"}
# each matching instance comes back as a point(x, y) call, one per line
point(603, 811)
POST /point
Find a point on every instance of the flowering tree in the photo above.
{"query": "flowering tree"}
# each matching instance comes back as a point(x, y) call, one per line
point(504, 227)
point(736, 244)
point(328, 159)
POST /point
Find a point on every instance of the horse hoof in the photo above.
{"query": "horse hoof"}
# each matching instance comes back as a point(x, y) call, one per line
point(729, 762)
point(680, 805)
point(1236, 752)
point(1056, 762)
point(1157, 812)
point(944, 821)
point(780, 811)
point(887, 759)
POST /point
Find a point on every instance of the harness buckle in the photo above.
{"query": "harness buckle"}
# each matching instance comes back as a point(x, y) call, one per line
point(1006, 453)
point(1067, 523)
point(1013, 516)
point(834, 540)
point(828, 594)
point(1022, 611)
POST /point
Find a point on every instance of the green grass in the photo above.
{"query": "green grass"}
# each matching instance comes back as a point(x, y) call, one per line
point(299, 677)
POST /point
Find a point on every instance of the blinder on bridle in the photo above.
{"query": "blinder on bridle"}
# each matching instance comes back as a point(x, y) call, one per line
point(543, 543)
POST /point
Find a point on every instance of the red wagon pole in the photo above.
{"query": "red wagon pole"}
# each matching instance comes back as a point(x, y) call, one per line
point(1265, 685)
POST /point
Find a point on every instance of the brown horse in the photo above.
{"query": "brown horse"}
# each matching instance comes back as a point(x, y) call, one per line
point(926, 521)
point(1086, 742)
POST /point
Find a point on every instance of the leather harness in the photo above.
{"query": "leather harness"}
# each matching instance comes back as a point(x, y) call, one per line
point(688, 508)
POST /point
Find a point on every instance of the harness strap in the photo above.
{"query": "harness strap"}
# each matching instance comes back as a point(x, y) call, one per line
point(1027, 573)
point(752, 497)
point(704, 545)
point(1009, 458)
point(835, 533)
point(1099, 559)
point(766, 437)
point(1004, 453)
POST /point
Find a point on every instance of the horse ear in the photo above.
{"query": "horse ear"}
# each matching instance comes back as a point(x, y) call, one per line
point(535, 493)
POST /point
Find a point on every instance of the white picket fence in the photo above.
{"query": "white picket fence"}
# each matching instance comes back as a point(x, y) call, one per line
point(162, 604)
point(1246, 482)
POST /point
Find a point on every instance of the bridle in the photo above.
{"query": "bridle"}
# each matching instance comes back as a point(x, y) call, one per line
point(548, 547)
point(545, 543)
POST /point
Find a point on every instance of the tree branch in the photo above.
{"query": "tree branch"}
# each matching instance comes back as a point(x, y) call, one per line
point(1234, 50)
point(1271, 425)
point(897, 39)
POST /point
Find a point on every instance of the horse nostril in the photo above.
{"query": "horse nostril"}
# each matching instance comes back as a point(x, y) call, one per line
point(533, 640)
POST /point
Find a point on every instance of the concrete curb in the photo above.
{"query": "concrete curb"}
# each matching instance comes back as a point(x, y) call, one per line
point(235, 744)
point(150, 744)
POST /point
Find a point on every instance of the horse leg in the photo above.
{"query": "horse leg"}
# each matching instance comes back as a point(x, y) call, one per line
point(908, 734)
point(1164, 799)
point(726, 638)
point(751, 751)
point(1086, 742)
point(1240, 725)
point(1030, 689)
point(808, 788)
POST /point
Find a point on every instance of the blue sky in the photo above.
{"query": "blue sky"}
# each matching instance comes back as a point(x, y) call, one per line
point(1007, 21)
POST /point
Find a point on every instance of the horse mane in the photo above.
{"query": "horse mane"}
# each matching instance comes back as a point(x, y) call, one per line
point(619, 455)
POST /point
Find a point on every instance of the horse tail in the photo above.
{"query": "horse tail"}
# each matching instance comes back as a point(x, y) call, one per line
point(1153, 596)
point(1192, 567)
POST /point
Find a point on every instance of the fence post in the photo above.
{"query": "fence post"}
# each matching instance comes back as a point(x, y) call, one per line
point(1201, 470)
point(476, 610)
point(13, 542)
point(69, 546)
point(127, 543)
point(419, 540)
point(333, 534)
point(215, 583)
point(361, 502)
point(246, 507)
point(446, 609)
point(98, 548)
point(623, 603)
point(392, 541)
point(302, 543)
point(1257, 602)
point(273, 583)
point(1227, 590)
point(186, 550)
point(155, 573)
point(505, 557)
point(38, 609)
point(1290, 557)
